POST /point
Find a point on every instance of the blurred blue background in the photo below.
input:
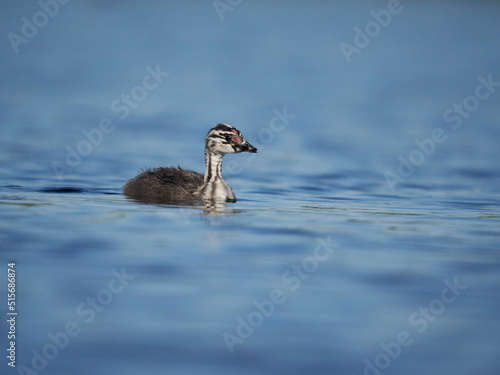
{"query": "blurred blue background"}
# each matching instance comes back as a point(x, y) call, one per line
point(79, 116)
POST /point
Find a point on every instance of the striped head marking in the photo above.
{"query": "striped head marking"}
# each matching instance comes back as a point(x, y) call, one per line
point(225, 139)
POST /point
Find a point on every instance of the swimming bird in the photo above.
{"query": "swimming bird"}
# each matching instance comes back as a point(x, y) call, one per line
point(164, 185)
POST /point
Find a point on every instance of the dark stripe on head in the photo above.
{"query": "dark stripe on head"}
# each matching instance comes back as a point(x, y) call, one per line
point(221, 136)
point(223, 127)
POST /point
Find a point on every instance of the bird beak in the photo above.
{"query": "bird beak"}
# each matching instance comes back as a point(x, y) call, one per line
point(247, 147)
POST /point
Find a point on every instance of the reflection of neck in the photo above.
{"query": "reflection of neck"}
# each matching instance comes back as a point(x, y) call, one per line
point(213, 167)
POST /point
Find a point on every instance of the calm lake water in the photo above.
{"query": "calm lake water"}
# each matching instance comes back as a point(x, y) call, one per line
point(365, 238)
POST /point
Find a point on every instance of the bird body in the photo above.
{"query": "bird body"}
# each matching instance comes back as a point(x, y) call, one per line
point(164, 185)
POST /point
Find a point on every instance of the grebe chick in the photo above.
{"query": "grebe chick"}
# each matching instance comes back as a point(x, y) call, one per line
point(163, 185)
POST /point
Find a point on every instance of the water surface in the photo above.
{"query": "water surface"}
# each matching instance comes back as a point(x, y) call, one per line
point(321, 266)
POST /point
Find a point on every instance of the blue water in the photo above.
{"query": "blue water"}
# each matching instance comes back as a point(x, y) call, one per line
point(365, 238)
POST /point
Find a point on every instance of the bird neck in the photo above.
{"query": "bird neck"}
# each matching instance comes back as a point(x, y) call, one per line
point(214, 188)
point(213, 167)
